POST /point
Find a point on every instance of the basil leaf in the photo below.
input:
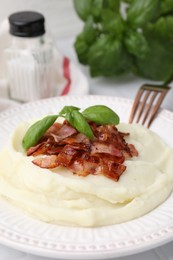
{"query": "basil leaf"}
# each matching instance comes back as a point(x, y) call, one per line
point(81, 48)
point(83, 8)
point(67, 109)
point(163, 27)
point(160, 66)
point(108, 57)
point(112, 24)
point(112, 5)
point(37, 130)
point(97, 7)
point(89, 31)
point(141, 12)
point(101, 114)
point(136, 44)
point(166, 6)
point(78, 121)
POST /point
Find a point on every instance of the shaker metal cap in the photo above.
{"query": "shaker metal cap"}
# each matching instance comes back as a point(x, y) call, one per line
point(27, 24)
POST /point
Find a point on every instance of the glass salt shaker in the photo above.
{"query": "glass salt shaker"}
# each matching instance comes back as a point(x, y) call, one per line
point(29, 59)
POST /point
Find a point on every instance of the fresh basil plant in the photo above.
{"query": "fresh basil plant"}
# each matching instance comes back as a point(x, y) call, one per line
point(138, 39)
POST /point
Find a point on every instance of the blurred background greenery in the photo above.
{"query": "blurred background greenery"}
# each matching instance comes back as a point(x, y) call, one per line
point(121, 36)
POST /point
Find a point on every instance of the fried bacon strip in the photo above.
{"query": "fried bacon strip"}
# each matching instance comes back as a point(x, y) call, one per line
point(63, 146)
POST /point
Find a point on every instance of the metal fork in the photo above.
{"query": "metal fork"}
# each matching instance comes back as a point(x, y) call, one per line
point(147, 103)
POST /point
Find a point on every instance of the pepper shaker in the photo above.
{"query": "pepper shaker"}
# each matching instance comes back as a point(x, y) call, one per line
point(29, 59)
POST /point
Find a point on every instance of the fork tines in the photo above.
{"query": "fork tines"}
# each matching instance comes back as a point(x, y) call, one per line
point(146, 104)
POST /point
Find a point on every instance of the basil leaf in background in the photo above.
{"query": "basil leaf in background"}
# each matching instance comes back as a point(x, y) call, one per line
point(166, 6)
point(112, 5)
point(37, 130)
point(136, 44)
point(97, 6)
point(101, 114)
point(83, 8)
point(137, 39)
point(108, 57)
point(115, 60)
point(128, 1)
point(141, 12)
point(112, 23)
point(68, 109)
point(89, 32)
point(96, 54)
point(158, 63)
point(78, 121)
point(163, 27)
point(81, 48)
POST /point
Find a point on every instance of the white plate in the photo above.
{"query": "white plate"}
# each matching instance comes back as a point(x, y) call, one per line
point(6, 104)
point(27, 234)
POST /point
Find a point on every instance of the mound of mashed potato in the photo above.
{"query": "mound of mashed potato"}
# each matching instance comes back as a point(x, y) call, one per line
point(58, 196)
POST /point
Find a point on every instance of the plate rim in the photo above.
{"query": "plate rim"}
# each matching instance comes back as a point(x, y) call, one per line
point(162, 111)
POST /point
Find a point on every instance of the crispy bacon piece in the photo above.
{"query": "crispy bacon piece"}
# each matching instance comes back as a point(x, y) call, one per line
point(97, 166)
point(84, 164)
point(64, 158)
point(67, 155)
point(100, 147)
point(64, 132)
point(77, 139)
point(133, 150)
point(34, 149)
point(47, 162)
point(63, 146)
point(54, 128)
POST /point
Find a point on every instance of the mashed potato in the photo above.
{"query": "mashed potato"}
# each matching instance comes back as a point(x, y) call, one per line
point(58, 196)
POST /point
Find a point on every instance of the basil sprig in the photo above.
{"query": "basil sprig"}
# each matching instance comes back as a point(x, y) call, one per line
point(77, 120)
point(99, 114)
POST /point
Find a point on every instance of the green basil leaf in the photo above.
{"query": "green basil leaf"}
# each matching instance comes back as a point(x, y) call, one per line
point(112, 24)
point(166, 6)
point(136, 43)
point(96, 55)
point(112, 5)
point(97, 6)
point(83, 8)
point(141, 12)
point(108, 57)
point(128, 1)
point(163, 27)
point(78, 121)
point(101, 114)
point(67, 109)
point(81, 48)
point(89, 31)
point(37, 130)
point(158, 63)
